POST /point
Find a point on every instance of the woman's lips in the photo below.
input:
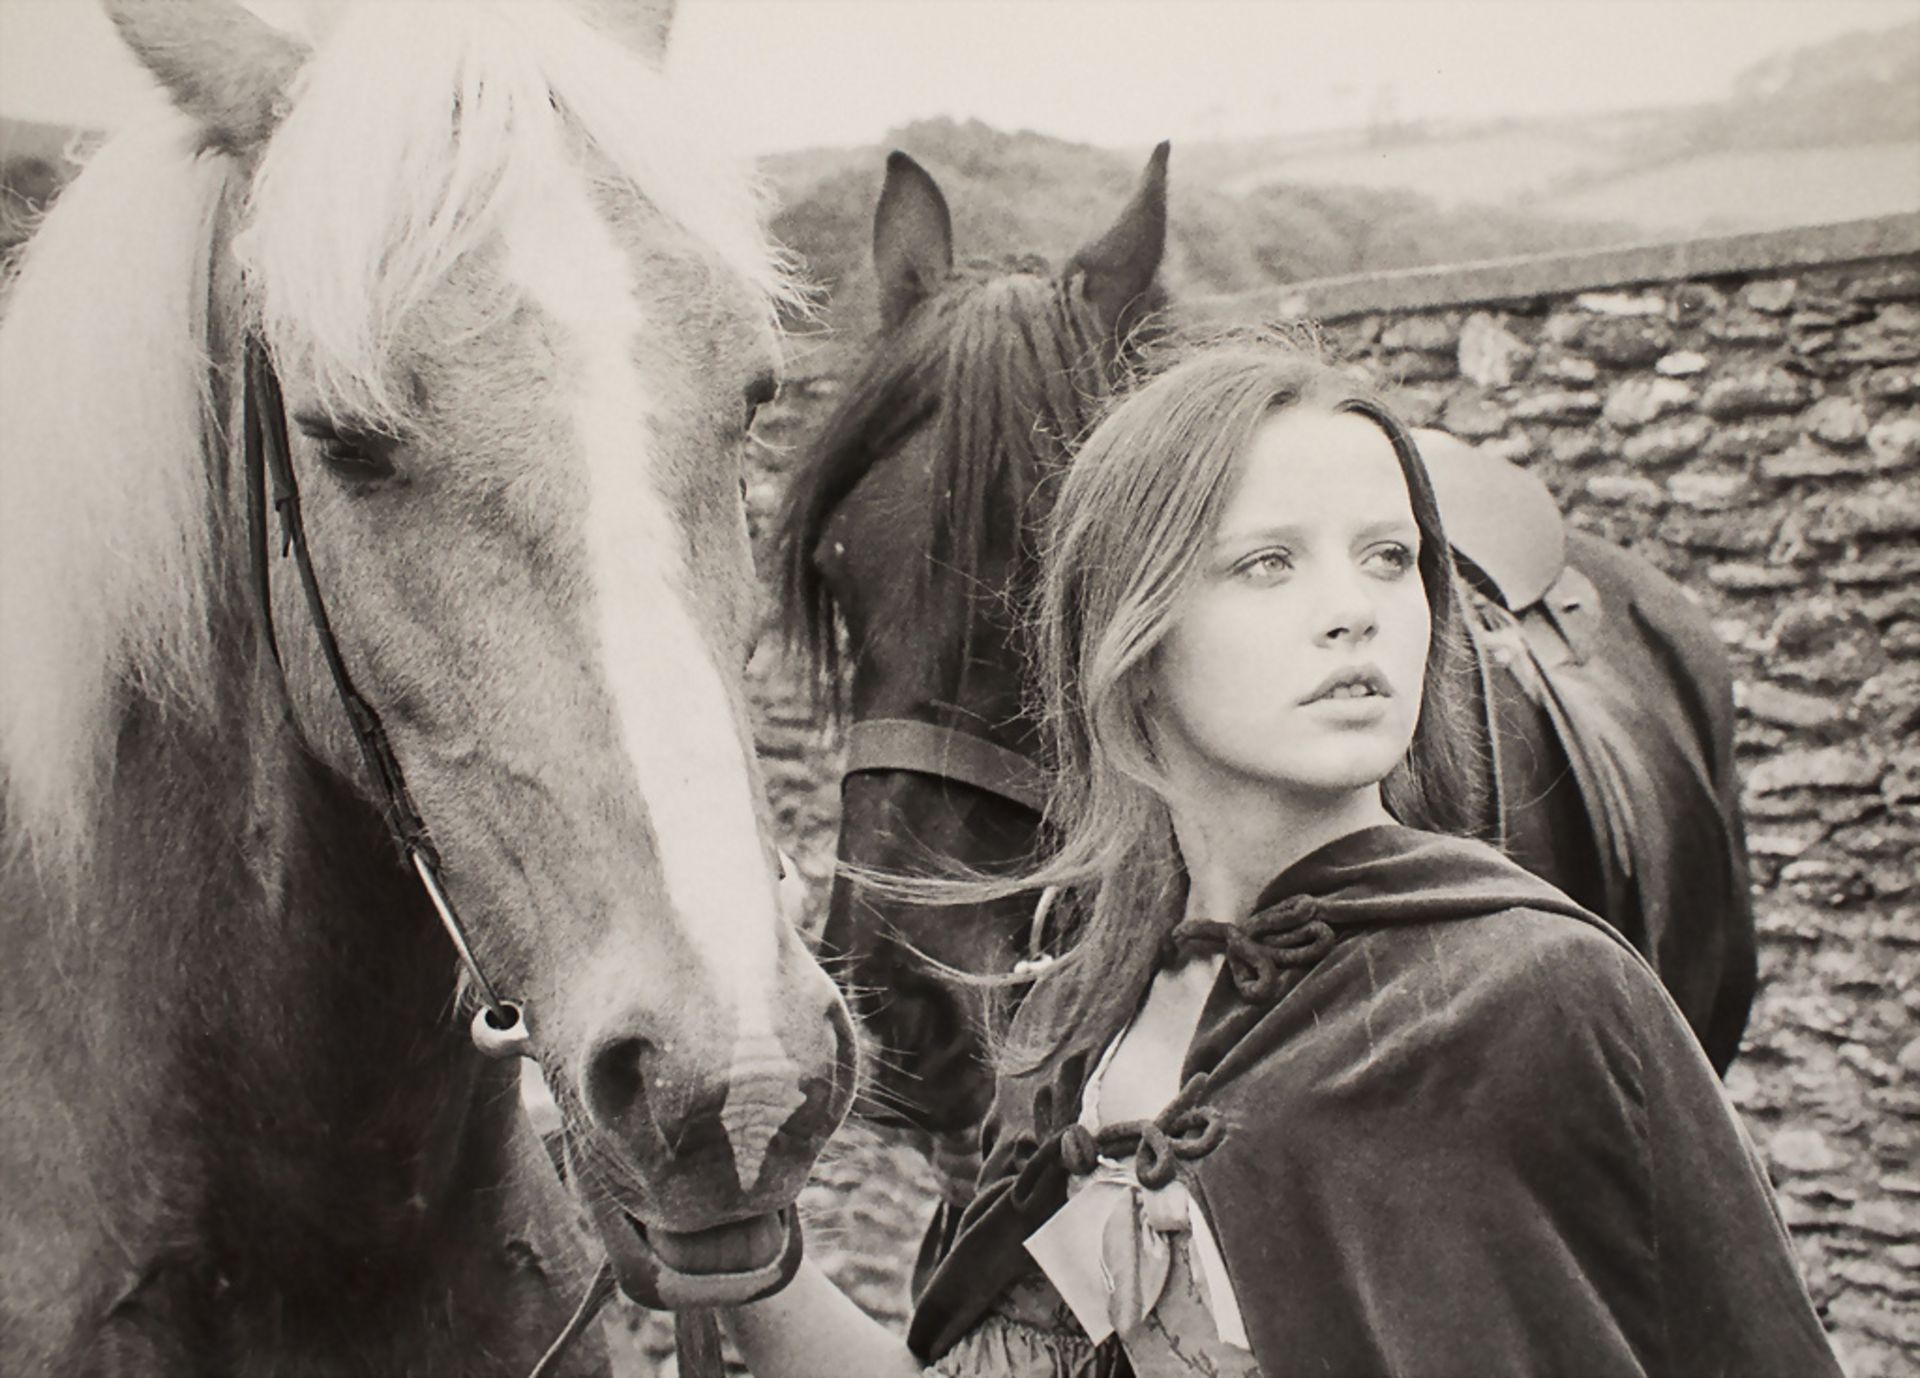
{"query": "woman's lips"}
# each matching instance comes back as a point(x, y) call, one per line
point(1351, 682)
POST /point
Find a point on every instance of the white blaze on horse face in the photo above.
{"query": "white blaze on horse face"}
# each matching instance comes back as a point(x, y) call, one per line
point(673, 709)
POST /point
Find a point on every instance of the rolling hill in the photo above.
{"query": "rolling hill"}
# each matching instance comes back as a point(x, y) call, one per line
point(1023, 193)
point(1825, 133)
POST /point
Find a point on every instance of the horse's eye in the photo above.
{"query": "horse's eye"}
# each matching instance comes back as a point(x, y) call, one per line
point(762, 390)
point(360, 463)
point(358, 454)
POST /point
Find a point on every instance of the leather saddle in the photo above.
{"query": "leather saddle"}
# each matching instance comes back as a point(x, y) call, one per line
point(1533, 619)
point(1597, 667)
point(1501, 521)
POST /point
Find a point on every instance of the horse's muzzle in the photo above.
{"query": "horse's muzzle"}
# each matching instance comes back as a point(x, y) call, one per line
point(729, 1264)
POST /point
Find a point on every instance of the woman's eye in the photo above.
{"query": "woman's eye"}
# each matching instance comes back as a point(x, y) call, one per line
point(1392, 559)
point(1264, 565)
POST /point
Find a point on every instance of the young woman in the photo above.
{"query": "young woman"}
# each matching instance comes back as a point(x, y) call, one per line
point(1321, 1089)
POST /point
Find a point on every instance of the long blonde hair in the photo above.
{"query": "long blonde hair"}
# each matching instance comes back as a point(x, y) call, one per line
point(1134, 512)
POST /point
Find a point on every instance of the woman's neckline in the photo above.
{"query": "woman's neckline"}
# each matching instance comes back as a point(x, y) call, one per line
point(1290, 877)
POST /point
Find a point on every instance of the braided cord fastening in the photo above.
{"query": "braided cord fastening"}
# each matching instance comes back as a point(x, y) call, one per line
point(1279, 938)
point(1157, 1146)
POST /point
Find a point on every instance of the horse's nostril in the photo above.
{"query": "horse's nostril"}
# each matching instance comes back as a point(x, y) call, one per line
point(643, 1094)
point(616, 1081)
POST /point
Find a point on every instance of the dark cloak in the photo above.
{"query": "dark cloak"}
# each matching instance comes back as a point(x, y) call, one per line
point(1471, 1134)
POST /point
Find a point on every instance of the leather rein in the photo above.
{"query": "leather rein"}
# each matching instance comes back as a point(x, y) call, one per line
point(499, 1028)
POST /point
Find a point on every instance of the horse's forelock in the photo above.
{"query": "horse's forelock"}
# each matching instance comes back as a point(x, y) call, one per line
point(1008, 370)
point(415, 130)
point(894, 389)
point(1026, 367)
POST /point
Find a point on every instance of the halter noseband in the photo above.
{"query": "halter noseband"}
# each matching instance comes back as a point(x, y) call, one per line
point(952, 753)
point(879, 744)
point(499, 1028)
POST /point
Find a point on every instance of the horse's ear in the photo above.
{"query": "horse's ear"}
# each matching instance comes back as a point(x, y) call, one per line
point(645, 25)
point(1121, 264)
point(222, 64)
point(912, 238)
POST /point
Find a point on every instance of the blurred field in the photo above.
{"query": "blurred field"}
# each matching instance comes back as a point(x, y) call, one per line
point(1754, 190)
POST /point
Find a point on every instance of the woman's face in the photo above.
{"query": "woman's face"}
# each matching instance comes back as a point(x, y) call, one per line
point(1296, 659)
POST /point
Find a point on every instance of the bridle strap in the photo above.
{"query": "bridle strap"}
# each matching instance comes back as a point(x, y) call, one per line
point(255, 426)
point(599, 1292)
point(1477, 637)
point(948, 752)
point(269, 459)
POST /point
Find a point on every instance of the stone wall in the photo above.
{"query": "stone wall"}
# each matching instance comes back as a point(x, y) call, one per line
point(1747, 413)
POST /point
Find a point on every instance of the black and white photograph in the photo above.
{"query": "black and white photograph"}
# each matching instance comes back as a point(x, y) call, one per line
point(960, 688)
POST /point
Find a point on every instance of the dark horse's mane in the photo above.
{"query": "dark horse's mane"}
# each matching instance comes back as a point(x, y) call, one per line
point(1010, 371)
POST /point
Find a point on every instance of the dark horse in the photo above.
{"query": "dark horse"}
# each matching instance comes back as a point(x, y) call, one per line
point(1607, 699)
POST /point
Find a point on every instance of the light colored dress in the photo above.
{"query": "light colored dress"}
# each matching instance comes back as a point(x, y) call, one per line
point(1120, 1259)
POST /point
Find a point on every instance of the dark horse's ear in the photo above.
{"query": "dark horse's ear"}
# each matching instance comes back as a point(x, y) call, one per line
point(912, 238)
point(1121, 264)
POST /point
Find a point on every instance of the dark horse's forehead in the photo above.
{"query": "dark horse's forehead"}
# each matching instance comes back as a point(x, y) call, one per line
point(945, 431)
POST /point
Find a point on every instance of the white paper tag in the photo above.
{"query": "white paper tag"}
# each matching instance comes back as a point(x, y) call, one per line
point(1067, 1248)
point(1070, 1249)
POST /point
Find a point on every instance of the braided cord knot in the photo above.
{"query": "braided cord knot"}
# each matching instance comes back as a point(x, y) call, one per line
point(1281, 937)
point(1157, 1146)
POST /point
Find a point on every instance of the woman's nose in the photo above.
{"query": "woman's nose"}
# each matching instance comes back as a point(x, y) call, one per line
point(1350, 616)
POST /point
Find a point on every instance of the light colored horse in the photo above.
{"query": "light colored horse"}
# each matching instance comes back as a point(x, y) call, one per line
point(522, 321)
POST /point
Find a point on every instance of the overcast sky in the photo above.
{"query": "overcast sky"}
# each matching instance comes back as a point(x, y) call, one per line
point(793, 73)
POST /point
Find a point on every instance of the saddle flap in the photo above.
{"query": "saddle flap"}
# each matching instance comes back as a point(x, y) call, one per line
point(1658, 833)
point(1500, 519)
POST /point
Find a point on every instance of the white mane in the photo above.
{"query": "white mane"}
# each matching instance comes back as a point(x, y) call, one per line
point(411, 128)
point(104, 498)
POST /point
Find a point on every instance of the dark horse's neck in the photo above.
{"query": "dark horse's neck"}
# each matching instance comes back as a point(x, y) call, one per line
point(318, 1167)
